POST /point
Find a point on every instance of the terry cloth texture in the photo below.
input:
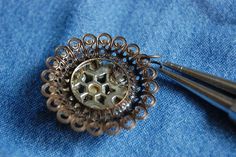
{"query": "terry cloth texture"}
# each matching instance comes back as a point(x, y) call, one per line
point(196, 33)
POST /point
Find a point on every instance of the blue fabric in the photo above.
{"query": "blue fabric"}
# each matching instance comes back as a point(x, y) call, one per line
point(199, 34)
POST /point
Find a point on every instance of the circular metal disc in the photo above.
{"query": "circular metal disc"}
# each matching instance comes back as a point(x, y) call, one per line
point(99, 83)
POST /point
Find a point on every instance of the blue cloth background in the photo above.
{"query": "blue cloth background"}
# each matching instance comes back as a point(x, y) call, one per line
point(197, 33)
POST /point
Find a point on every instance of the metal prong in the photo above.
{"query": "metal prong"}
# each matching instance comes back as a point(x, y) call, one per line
point(215, 81)
point(149, 56)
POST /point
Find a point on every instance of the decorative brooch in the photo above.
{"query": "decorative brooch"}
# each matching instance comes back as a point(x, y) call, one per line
point(99, 84)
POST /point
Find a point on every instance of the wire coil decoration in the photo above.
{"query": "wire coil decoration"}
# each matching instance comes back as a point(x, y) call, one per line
point(99, 84)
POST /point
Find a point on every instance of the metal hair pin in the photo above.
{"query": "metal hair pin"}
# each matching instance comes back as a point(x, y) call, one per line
point(103, 84)
point(217, 91)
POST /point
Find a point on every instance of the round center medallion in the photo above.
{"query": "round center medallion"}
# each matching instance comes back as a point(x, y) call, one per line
point(99, 83)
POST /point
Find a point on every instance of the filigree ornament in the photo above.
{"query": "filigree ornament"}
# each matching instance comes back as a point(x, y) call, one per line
point(99, 84)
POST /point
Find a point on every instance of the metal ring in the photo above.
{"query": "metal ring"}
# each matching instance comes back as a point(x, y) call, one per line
point(112, 128)
point(53, 103)
point(140, 112)
point(78, 124)
point(89, 42)
point(153, 90)
point(64, 116)
point(128, 122)
point(94, 128)
point(118, 45)
point(145, 97)
point(132, 52)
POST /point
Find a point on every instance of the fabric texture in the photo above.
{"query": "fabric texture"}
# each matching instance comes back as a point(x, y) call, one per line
point(196, 33)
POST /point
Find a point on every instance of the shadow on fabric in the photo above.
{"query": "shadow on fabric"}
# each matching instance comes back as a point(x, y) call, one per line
point(215, 117)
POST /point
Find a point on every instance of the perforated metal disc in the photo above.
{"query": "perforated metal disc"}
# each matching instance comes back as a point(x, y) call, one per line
point(99, 83)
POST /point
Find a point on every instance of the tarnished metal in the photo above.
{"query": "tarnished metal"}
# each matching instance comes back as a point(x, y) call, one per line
point(99, 84)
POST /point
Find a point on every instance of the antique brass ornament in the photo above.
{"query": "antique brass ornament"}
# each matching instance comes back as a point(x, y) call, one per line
point(99, 84)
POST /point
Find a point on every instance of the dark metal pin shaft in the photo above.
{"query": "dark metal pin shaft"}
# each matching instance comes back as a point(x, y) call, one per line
point(218, 82)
